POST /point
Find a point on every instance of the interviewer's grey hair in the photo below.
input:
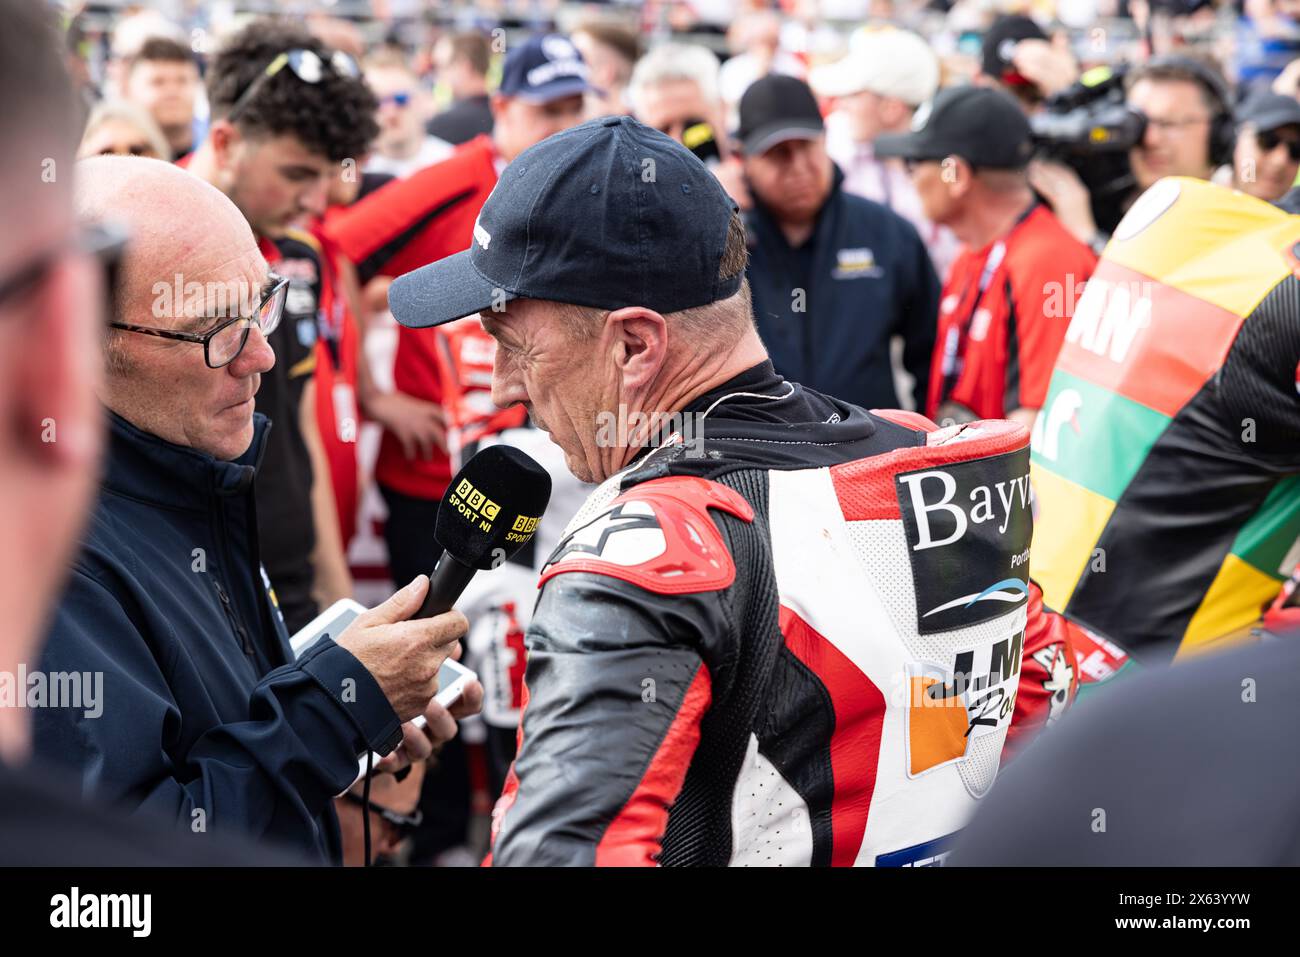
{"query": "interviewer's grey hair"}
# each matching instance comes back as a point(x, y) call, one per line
point(676, 61)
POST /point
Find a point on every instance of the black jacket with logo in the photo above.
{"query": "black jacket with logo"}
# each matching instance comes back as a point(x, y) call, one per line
point(866, 277)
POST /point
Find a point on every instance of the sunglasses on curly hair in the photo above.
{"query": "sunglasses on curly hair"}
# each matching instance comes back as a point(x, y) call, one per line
point(306, 65)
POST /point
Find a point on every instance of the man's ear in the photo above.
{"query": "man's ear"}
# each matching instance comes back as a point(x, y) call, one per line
point(497, 104)
point(640, 343)
point(957, 173)
point(226, 142)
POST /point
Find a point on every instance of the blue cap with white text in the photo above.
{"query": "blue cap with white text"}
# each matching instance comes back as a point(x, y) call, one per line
point(544, 68)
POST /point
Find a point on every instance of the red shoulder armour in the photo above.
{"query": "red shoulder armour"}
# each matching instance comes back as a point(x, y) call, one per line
point(657, 535)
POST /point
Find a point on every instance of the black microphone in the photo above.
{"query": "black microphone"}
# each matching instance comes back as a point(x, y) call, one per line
point(490, 511)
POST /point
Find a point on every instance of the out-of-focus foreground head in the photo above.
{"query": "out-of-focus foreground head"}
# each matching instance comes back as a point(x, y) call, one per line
point(50, 320)
point(193, 263)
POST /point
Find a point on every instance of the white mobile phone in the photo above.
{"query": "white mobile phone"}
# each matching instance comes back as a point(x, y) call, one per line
point(452, 679)
point(330, 622)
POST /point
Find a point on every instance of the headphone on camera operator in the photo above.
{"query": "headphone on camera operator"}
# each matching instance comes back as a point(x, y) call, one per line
point(1223, 133)
point(1092, 128)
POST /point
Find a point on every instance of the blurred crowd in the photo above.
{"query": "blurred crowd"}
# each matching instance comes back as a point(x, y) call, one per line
point(917, 182)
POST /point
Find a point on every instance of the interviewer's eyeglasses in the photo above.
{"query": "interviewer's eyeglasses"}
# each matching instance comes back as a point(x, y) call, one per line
point(306, 65)
point(404, 823)
point(223, 343)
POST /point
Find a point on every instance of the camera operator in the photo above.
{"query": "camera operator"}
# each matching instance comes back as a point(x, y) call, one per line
point(1187, 130)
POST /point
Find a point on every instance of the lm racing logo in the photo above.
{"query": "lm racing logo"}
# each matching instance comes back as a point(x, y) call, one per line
point(948, 708)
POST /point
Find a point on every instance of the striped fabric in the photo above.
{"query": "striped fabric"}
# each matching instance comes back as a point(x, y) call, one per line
point(1156, 520)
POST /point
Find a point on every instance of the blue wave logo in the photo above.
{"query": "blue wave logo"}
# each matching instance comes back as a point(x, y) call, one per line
point(1008, 590)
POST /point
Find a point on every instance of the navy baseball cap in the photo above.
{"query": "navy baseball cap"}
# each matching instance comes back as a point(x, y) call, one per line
point(608, 214)
point(544, 68)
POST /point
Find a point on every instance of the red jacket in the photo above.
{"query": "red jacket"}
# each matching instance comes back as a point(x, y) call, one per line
point(1003, 316)
point(402, 226)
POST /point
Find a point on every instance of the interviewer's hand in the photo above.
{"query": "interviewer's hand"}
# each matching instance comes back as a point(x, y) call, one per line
point(404, 656)
point(420, 744)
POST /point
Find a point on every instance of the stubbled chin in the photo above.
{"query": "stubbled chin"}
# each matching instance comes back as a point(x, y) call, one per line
point(577, 465)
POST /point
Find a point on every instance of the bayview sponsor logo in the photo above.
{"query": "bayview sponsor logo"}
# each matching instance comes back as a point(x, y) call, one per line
point(1011, 495)
point(968, 528)
point(75, 910)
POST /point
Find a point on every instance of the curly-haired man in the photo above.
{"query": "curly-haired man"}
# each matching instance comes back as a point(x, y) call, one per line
point(286, 112)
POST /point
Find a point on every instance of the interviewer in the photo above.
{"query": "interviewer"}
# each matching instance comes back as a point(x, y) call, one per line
point(206, 717)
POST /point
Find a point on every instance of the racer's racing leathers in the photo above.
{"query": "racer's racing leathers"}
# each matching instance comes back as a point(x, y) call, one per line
point(795, 633)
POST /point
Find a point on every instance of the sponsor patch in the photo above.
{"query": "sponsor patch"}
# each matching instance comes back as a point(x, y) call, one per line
point(930, 854)
point(1060, 676)
point(968, 529)
point(949, 706)
point(859, 263)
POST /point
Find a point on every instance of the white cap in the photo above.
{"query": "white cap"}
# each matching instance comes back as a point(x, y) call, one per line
point(883, 60)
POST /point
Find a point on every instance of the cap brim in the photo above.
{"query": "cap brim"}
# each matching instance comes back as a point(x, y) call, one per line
point(571, 86)
point(901, 145)
point(838, 79)
point(765, 137)
point(443, 291)
point(1273, 119)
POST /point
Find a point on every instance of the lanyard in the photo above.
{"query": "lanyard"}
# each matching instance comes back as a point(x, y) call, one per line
point(954, 346)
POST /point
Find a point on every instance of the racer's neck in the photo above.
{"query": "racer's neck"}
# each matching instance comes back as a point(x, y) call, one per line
point(703, 370)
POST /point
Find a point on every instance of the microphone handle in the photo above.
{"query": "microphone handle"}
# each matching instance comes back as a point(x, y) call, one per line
point(446, 583)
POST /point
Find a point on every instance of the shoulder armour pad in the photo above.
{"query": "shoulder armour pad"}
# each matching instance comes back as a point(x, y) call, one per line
point(658, 535)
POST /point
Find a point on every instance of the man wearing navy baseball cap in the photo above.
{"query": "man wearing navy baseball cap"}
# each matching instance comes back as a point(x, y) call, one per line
point(405, 225)
point(541, 92)
point(710, 631)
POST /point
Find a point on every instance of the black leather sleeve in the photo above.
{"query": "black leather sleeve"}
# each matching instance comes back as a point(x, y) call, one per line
point(618, 680)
